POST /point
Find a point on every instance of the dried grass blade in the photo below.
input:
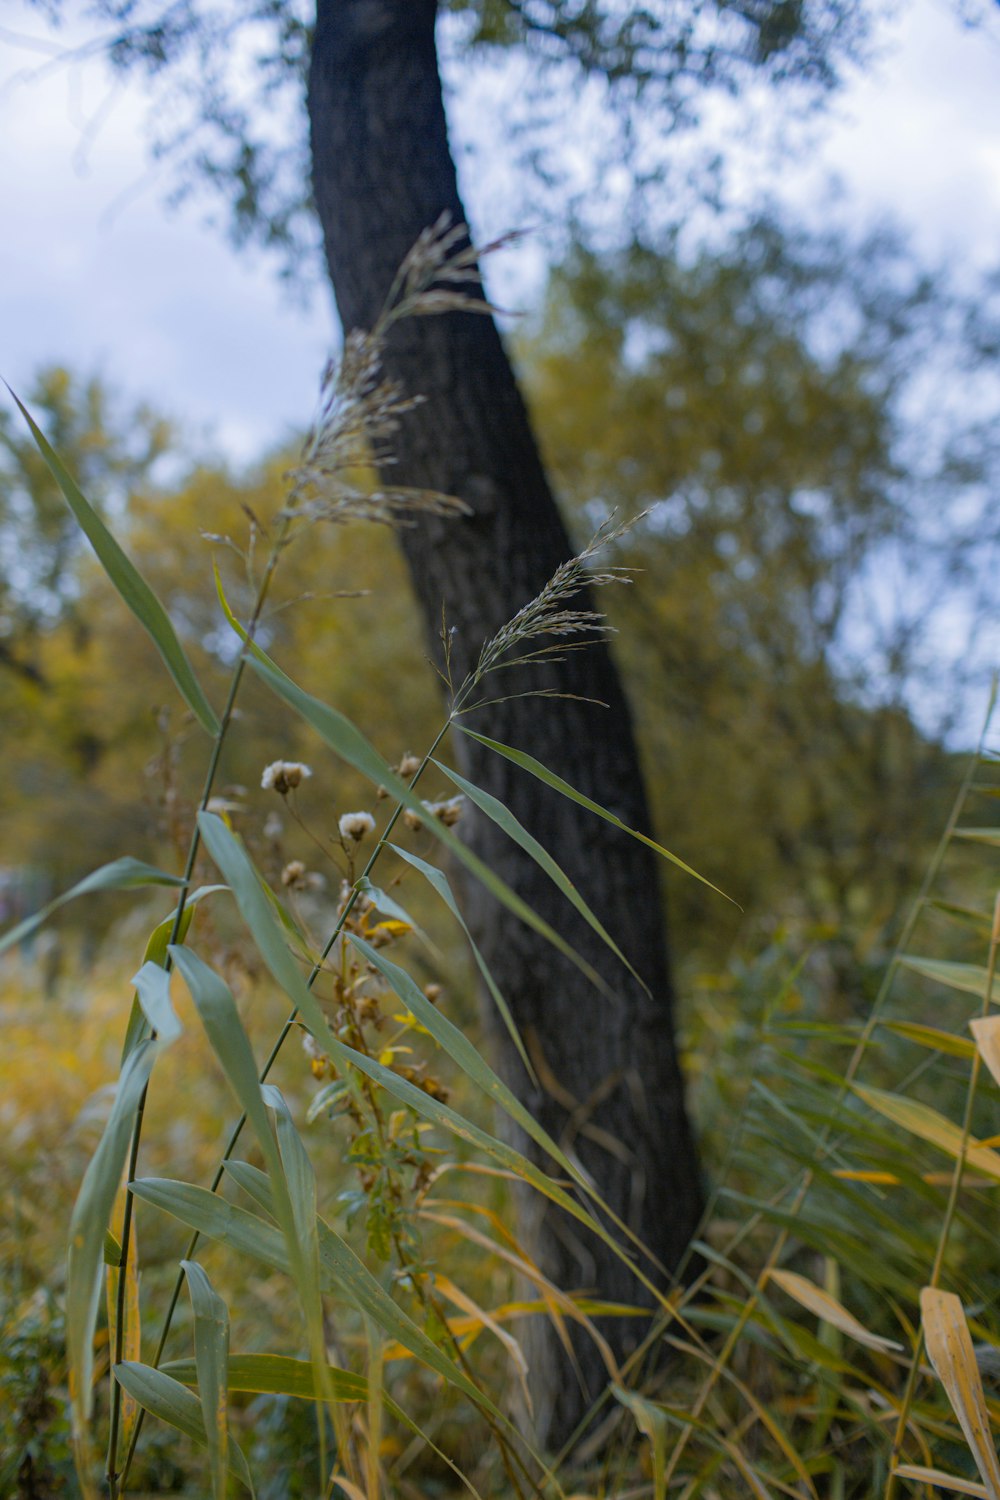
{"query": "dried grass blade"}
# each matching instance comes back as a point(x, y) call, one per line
point(949, 1348)
point(815, 1300)
point(986, 1030)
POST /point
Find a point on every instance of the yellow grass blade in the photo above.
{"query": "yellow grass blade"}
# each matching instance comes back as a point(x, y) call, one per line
point(480, 1316)
point(986, 1030)
point(930, 1126)
point(949, 1348)
point(930, 1036)
point(943, 1481)
point(815, 1300)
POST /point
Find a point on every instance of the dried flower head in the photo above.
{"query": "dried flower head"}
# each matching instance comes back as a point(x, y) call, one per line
point(409, 765)
point(283, 776)
point(448, 812)
point(355, 826)
point(294, 874)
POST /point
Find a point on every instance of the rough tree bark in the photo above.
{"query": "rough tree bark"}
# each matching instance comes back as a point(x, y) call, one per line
point(382, 173)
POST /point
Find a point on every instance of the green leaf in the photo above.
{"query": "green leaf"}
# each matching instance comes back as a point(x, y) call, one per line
point(211, 1353)
point(295, 1198)
point(277, 1375)
point(982, 921)
point(439, 880)
point(514, 829)
point(930, 1036)
point(129, 582)
point(88, 1227)
point(350, 744)
point(120, 875)
point(156, 953)
point(528, 763)
point(652, 1423)
point(167, 1399)
point(970, 978)
point(390, 908)
point(979, 835)
point(152, 984)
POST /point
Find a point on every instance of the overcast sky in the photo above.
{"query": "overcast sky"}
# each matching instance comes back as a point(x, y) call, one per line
point(95, 272)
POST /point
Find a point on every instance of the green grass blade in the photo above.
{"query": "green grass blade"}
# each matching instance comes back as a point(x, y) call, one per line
point(277, 1375)
point(535, 767)
point(514, 829)
point(156, 953)
point(120, 875)
point(931, 1037)
point(288, 1166)
point(389, 908)
point(129, 582)
point(211, 1354)
point(652, 1423)
point(439, 881)
point(301, 1181)
point(971, 979)
point(350, 744)
point(88, 1225)
point(167, 1399)
point(152, 985)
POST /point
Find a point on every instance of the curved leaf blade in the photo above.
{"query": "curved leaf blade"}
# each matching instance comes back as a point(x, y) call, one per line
point(166, 1398)
point(495, 810)
point(88, 1225)
point(277, 1375)
point(439, 881)
point(211, 1355)
point(535, 767)
point(127, 579)
point(120, 875)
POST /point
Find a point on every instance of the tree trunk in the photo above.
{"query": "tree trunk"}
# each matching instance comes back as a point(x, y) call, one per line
point(612, 1090)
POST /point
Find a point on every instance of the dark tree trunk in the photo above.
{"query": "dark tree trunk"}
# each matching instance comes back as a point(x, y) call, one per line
point(613, 1091)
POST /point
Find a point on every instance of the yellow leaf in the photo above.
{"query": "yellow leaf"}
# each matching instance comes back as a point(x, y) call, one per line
point(949, 1348)
point(815, 1300)
point(885, 1179)
point(943, 1481)
point(986, 1030)
point(930, 1126)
